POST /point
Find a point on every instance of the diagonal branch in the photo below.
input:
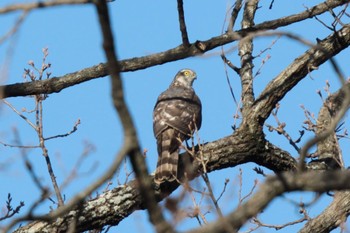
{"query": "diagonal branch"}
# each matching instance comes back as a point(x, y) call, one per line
point(275, 186)
point(15, 27)
point(296, 71)
point(56, 84)
point(309, 13)
point(236, 8)
point(332, 217)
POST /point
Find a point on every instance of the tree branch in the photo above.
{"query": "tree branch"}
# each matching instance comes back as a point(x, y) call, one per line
point(180, 9)
point(237, 7)
point(245, 52)
point(230, 151)
point(243, 146)
point(275, 186)
point(130, 137)
point(56, 84)
point(328, 152)
point(297, 70)
point(330, 158)
point(120, 202)
point(40, 4)
point(332, 217)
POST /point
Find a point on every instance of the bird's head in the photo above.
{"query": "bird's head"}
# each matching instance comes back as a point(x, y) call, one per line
point(184, 77)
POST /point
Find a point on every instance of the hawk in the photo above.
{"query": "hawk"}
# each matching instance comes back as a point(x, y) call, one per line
point(176, 115)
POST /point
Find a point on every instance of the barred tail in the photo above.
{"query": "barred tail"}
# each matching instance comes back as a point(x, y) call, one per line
point(168, 157)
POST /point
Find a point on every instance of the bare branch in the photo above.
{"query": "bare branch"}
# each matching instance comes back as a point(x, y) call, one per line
point(10, 211)
point(297, 70)
point(245, 48)
point(332, 217)
point(20, 114)
point(15, 28)
point(328, 149)
point(279, 227)
point(130, 137)
point(18, 146)
point(56, 84)
point(329, 130)
point(247, 144)
point(183, 29)
point(40, 4)
point(275, 186)
point(75, 128)
point(235, 10)
point(226, 152)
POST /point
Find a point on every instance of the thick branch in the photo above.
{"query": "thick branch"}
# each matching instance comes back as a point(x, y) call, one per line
point(242, 147)
point(54, 85)
point(230, 151)
point(115, 205)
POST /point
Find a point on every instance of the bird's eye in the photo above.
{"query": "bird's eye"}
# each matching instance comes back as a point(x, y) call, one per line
point(186, 73)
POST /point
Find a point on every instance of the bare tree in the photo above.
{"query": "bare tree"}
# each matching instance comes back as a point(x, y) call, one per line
point(321, 170)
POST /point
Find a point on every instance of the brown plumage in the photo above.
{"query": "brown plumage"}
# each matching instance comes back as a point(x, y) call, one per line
point(176, 115)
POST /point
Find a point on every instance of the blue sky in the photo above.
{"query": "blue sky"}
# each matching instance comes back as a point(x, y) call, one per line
point(72, 35)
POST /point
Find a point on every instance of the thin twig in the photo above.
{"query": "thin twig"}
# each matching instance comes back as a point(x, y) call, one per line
point(39, 126)
point(75, 128)
point(211, 194)
point(19, 114)
point(343, 108)
point(197, 213)
point(40, 4)
point(15, 28)
point(10, 211)
point(29, 165)
point(18, 146)
point(279, 227)
point(88, 148)
point(205, 177)
point(281, 130)
point(223, 190)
